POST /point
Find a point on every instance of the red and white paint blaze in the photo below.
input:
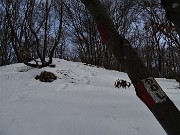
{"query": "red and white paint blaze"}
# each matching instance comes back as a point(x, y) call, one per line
point(150, 92)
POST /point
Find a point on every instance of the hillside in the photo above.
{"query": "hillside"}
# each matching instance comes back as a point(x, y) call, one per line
point(82, 101)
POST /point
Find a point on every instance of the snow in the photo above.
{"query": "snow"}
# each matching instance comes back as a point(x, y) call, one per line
point(82, 101)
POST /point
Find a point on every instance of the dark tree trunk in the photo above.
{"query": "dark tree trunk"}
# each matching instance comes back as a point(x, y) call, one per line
point(172, 8)
point(147, 89)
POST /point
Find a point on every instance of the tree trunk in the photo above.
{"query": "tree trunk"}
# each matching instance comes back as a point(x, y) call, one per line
point(172, 8)
point(147, 89)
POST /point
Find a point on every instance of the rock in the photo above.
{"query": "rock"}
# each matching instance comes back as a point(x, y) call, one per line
point(46, 77)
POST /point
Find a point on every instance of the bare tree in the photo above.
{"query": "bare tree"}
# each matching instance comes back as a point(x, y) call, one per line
point(164, 40)
point(84, 33)
point(147, 89)
point(31, 28)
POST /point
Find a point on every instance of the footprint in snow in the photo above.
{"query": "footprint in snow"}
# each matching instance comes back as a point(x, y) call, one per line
point(63, 87)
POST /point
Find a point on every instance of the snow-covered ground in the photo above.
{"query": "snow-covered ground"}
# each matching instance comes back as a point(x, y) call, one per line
point(82, 101)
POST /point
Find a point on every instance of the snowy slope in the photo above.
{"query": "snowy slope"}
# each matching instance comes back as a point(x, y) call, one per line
point(82, 101)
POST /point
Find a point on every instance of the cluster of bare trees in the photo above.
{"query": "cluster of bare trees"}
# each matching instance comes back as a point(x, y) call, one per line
point(86, 38)
point(143, 23)
point(159, 43)
point(47, 28)
point(31, 30)
point(117, 33)
point(146, 87)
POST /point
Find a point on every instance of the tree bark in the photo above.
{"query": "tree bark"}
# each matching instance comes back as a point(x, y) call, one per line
point(172, 8)
point(147, 89)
